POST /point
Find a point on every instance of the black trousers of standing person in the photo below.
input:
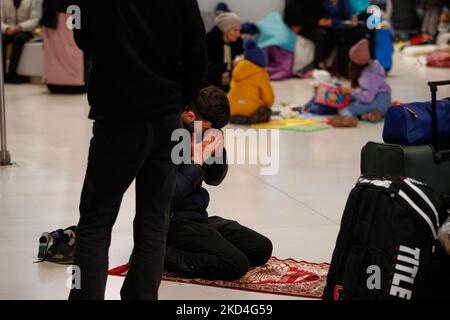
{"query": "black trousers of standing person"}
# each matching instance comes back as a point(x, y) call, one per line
point(323, 40)
point(119, 154)
point(18, 40)
point(219, 249)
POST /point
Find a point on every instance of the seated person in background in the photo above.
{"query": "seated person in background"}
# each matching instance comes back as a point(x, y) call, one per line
point(443, 37)
point(19, 19)
point(337, 11)
point(224, 45)
point(251, 95)
point(64, 62)
point(197, 246)
point(371, 96)
point(309, 19)
point(431, 20)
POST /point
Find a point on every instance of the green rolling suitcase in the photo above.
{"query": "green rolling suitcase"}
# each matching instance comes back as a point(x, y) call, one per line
point(429, 164)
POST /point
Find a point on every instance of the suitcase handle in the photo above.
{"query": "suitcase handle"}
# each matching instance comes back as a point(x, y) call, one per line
point(440, 156)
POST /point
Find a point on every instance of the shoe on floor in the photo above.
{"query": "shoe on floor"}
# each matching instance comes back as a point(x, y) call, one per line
point(239, 120)
point(16, 79)
point(344, 122)
point(374, 116)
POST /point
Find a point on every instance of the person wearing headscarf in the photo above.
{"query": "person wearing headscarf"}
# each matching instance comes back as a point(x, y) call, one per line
point(64, 63)
point(224, 45)
point(19, 19)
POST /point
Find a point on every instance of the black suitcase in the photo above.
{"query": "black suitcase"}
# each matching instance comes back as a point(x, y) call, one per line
point(386, 248)
point(428, 163)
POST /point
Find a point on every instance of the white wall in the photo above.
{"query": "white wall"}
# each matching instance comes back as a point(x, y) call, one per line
point(248, 10)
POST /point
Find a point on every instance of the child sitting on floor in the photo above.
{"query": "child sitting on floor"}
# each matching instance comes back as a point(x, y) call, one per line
point(371, 96)
point(251, 95)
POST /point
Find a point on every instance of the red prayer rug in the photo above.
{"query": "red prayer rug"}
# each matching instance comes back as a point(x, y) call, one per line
point(283, 277)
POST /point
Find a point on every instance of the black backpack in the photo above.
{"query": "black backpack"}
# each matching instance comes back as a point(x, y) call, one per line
point(57, 246)
point(387, 247)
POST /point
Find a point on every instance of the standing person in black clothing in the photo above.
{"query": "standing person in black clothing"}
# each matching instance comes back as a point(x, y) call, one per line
point(200, 246)
point(308, 19)
point(224, 45)
point(404, 17)
point(148, 62)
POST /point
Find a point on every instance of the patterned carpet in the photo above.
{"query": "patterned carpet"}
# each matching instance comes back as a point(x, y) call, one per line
point(282, 277)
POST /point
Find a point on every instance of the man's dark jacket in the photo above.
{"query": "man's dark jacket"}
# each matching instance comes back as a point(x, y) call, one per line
point(148, 57)
point(191, 200)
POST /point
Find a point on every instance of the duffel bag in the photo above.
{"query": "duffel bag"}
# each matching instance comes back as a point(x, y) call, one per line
point(411, 124)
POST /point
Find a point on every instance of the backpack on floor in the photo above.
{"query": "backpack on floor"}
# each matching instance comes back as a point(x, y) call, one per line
point(386, 248)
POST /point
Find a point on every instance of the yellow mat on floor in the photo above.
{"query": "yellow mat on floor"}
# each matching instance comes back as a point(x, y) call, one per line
point(287, 123)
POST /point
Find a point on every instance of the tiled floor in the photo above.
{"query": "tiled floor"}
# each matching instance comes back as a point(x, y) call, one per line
point(299, 209)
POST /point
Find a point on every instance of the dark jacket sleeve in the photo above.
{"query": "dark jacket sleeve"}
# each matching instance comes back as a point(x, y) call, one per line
point(82, 35)
point(195, 56)
point(238, 48)
point(216, 173)
point(216, 65)
point(304, 13)
point(189, 177)
point(292, 13)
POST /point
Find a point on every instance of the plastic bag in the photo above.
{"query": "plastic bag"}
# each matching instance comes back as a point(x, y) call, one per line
point(444, 236)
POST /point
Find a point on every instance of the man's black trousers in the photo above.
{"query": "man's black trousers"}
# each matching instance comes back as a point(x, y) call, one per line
point(219, 249)
point(118, 155)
